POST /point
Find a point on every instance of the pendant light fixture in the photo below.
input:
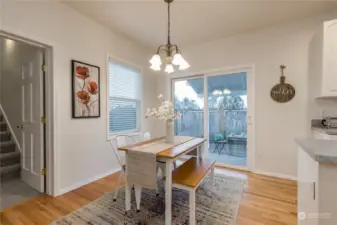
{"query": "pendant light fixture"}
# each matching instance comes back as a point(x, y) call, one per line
point(172, 57)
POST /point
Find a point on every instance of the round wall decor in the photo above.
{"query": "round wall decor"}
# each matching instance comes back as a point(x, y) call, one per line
point(282, 92)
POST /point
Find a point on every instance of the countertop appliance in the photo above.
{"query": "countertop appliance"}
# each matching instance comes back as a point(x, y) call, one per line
point(329, 122)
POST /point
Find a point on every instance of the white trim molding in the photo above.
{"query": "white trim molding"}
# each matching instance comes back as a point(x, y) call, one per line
point(10, 128)
point(278, 175)
point(80, 184)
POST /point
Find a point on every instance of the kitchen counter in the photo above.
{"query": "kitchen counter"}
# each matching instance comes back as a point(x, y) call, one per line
point(322, 151)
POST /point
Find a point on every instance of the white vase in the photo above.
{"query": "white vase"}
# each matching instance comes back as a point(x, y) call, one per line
point(169, 131)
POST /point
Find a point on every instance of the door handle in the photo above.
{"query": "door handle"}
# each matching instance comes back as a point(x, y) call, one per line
point(314, 197)
point(20, 126)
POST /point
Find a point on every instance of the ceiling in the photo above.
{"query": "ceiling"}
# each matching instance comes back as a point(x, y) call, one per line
point(194, 22)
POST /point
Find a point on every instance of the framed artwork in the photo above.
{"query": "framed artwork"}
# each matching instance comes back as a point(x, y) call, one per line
point(85, 90)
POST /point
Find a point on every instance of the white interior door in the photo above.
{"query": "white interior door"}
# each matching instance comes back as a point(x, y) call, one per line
point(32, 128)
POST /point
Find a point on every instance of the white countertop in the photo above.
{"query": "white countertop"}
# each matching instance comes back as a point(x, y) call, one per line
point(323, 151)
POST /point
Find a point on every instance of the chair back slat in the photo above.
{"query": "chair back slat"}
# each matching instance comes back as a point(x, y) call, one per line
point(119, 141)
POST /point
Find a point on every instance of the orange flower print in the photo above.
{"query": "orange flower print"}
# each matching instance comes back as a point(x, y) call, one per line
point(82, 72)
point(92, 87)
point(83, 96)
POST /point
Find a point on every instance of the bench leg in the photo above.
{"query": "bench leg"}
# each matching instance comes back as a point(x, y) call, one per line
point(192, 207)
point(138, 193)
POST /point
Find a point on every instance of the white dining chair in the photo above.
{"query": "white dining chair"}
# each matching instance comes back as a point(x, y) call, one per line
point(128, 140)
point(115, 144)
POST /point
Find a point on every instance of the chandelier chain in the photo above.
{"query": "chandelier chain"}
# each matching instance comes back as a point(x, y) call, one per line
point(168, 24)
point(173, 56)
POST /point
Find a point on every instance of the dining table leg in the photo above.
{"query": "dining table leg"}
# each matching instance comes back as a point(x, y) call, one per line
point(168, 192)
point(127, 186)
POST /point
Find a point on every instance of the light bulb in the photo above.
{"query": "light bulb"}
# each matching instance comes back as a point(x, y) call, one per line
point(155, 67)
point(226, 91)
point(216, 92)
point(169, 68)
point(178, 59)
point(155, 60)
point(184, 65)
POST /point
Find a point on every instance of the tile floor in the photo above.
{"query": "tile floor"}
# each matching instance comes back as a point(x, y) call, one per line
point(15, 191)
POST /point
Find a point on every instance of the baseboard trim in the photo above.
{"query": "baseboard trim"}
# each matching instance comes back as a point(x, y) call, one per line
point(10, 129)
point(80, 184)
point(278, 175)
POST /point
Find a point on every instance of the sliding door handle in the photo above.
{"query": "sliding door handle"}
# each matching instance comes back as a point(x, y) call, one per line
point(314, 194)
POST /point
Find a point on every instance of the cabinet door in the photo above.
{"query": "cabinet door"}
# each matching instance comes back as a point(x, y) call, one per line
point(307, 189)
point(330, 57)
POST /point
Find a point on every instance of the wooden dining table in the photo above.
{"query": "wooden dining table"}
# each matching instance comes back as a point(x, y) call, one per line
point(167, 155)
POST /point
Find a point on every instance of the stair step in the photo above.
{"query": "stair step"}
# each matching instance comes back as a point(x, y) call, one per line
point(11, 158)
point(5, 136)
point(3, 126)
point(7, 146)
point(9, 172)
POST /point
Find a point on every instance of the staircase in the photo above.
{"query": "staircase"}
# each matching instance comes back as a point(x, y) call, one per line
point(9, 155)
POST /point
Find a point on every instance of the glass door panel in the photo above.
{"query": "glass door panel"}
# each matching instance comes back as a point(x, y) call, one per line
point(188, 97)
point(227, 113)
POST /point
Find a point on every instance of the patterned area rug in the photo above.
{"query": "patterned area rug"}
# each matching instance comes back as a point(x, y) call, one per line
point(212, 207)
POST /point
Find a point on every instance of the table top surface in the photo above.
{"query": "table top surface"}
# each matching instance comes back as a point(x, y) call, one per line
point(169, 152)
point(222, 141)
point(237, 137)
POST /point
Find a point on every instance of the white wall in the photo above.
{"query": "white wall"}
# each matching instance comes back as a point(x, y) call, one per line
point(276, 124)
point(81, 148)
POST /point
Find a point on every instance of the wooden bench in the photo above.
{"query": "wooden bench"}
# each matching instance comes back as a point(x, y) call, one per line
point(188, 177)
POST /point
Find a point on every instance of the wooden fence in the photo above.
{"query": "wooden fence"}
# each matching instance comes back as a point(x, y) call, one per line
point(231, 122)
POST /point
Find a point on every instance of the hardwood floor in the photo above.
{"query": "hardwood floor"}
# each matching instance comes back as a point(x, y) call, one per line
point(266, 201)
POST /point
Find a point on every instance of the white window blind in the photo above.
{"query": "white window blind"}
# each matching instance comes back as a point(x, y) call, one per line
point(124, 98)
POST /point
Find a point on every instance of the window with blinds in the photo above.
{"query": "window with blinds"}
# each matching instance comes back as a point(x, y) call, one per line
point(124, 98)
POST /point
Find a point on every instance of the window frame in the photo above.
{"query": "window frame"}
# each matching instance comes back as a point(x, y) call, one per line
point(132, 132)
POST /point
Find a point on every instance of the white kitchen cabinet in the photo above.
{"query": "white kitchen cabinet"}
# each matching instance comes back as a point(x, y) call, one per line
point(323, 61)
point(317, 191)
point(330, 58)
point(307, 188)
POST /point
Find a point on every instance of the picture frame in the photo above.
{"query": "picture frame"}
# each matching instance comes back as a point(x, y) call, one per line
point(86, 99)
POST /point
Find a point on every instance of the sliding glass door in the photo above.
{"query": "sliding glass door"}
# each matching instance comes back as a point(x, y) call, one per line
point(227, 114)
point(188, 97)
point(218, 107)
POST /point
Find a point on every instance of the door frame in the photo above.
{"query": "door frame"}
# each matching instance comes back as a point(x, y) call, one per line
point(172, 97)
point(50, 154)
point(250, 71)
